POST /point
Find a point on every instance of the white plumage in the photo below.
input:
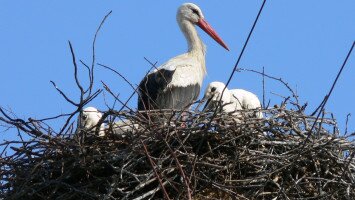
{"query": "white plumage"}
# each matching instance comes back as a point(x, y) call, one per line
point(177, 83)
point(90, 116)
point(232, 100)
point(124, 126)
point(88, 120)
point(188, 68)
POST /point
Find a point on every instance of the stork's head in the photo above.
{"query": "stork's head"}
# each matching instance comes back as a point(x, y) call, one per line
point(89, 118)
point(214, 91)
point(192, 13)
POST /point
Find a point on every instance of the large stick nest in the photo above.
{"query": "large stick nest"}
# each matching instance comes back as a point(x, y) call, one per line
point(286, 155)
point(207, 157)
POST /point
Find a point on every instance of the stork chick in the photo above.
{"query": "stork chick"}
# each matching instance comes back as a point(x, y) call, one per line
point(88, 120)
point(90, 117)
point(232, 100)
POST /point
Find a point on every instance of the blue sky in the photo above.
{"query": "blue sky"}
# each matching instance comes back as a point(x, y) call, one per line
point(304, 42)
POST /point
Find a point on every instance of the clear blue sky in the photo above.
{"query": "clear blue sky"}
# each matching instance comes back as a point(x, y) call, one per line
point(304, 42)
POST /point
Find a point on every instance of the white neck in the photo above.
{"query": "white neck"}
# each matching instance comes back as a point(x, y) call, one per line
point(193, 40)
point(195, 45)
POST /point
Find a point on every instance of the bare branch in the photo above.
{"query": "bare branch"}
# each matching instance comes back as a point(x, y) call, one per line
point(63, 95)
point(75, 72)
point(93, 50)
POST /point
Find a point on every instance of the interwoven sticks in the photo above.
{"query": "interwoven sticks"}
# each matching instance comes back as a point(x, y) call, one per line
point(232, 159)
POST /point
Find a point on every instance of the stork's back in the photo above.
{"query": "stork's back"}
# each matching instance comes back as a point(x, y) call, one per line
point(246, 100)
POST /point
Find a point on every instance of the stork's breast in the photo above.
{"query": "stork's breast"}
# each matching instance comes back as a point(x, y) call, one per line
point(187, 75)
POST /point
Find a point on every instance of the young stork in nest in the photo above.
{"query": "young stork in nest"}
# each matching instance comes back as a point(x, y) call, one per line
point(88, 120)
point(177, 83)
point(232, 100)
point(90, 117)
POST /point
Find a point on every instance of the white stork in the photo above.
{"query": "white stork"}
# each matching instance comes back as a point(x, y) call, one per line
point(90, 116)
point(232, 100)
point(177, 83)
point(88, 120)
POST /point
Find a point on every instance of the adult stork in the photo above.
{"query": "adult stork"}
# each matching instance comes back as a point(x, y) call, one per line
point(177, 83)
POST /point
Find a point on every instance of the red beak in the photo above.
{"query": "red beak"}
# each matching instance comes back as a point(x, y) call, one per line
point(209, 30)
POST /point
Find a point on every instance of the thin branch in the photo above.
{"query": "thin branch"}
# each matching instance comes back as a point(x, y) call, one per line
point(155, 171)
point(115, 96)
point(76, 72)
point(274, 78)
point(186, 180)
point(93, 50)
point(63, 95)
point(263, 87)
point(346, 124)
point(79, 108)
point(119, 74)
point(89, 74)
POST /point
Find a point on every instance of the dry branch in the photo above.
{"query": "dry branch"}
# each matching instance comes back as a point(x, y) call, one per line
point(247, 159)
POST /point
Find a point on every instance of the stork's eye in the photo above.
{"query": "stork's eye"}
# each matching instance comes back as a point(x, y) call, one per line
point(213, 89)
point(84, 117)
point(195, 12)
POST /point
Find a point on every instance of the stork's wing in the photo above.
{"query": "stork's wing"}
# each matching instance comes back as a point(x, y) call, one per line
point(246, 99)
point(176, 62)
point(173, 85)
point(178, 97)
point(151, 87)
point(156, 90)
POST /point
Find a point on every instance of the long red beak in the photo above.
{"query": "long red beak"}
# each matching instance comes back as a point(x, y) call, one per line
point(210, 31)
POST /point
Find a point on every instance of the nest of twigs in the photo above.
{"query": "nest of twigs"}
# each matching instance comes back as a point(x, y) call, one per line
point(286, 155)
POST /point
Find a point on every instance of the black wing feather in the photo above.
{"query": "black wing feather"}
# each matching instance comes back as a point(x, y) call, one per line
point(153, 92)
point(151, 86)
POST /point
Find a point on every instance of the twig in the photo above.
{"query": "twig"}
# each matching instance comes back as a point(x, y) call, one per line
point(346, 124)
point(63, 95)
point(93, 51)
point(76, 72)
point(274, 78)
point(155, 171)
point(116, 97)
point(264, 87)
point(186, 181)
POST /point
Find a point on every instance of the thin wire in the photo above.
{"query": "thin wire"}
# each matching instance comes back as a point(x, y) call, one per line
point(324, 102)
point(331, 90)
point(245, 45)
point(239, 58)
